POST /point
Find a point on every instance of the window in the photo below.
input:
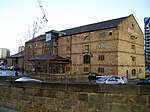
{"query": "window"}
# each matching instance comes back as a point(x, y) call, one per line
point(101, 70)
point(102, 34)
point(127, 73)
point(101, 45)
point(132, 26)
point(133, 47)
point(140, 70)
point(86, 69)
point(67, 69)
point(87, 38)
point(133, 58)
point(133, 37)
point(30, 46)
point(86, 59)
point(110, 33)
point(101, 57)
point(133, 72)
point(86, 48)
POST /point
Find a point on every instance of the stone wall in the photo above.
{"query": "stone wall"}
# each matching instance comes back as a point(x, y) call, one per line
point(74, 97)
point(52, 78)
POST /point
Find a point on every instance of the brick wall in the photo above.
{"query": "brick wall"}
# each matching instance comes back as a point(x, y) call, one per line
point(73, 97)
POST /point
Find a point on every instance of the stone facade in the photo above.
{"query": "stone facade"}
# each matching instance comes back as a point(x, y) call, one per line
point(112, 51)
point(67, 97)
point(114, 47)
point(16, 60)
point(131, 48)
point(34, 47)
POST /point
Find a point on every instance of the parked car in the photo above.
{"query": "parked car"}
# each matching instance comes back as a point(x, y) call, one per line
point(121, 79)
point(144, 82)
point(107, 80)
point(2, 67)
point(27, 79)
point(91, 76)
point(14, 68)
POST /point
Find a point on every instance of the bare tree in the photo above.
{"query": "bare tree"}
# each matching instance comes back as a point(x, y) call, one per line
point(37, 28)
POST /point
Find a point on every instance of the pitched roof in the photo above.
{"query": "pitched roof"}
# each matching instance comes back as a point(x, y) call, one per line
point(93, 27)
point(38, 38)
point(86, 28)
point(18, 55)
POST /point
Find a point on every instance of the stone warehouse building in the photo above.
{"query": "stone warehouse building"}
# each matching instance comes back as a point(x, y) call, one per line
point(113, 47)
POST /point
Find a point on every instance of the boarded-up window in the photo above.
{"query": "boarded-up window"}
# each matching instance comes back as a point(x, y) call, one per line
point(102, 34)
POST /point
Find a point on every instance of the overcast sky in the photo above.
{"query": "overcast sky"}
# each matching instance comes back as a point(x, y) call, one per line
point(17, 15)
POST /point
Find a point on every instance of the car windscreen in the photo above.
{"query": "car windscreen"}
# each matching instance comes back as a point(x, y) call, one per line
point(103, 79)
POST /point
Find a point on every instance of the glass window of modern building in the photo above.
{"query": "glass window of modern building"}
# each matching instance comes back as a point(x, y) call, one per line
point(147, 41)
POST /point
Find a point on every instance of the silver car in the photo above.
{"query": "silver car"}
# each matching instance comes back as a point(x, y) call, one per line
point(121, 79)
point(107, 80)
point(27, 79)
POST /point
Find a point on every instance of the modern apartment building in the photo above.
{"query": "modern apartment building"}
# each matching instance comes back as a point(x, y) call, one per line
point(112, 47)
point(147, 41)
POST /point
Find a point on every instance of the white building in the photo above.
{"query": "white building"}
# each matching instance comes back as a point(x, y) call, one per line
point(4, 53)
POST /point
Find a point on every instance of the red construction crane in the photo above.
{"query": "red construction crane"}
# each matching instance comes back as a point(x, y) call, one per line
point(42, 9)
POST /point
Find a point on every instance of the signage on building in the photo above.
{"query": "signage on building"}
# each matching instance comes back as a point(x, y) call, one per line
point(132, 31)
point(48, 36)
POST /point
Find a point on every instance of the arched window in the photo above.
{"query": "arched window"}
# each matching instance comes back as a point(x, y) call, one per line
point(132, 46)
point(86, 59)
point(133, 72)
point(87, 38)
point(132, 37)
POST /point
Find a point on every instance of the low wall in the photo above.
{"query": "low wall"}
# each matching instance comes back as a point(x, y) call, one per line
point(52, 78)
point(74, 97)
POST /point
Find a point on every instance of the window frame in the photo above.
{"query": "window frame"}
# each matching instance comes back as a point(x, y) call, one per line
point(110, 33)
point(102, 35)
point(86, 59)
point(101, 45)
point(101, 70)
point(101, 57)
point(86, 48)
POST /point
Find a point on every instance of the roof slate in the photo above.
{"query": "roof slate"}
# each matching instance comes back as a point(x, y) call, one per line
point(93, 27)
point(86, 28)
point(38, 38)
point(18, 55)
